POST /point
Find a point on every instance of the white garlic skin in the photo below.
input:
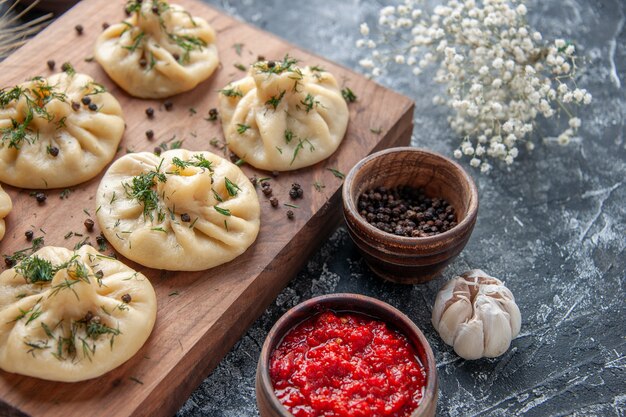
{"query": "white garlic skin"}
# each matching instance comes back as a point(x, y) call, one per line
point(477, 315)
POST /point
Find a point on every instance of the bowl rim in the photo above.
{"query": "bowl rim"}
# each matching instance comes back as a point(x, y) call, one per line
point(309, 306)
point(381, 236)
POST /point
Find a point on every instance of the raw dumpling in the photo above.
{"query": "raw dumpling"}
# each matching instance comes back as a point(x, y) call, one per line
point(70, 316)
point(183, 210)
point(281, 117)
point(57, 132)
point(161, 50)
point(5, 208)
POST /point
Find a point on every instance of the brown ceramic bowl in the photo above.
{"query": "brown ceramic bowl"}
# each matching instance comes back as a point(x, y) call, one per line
point(270, 406)
point(410, 260)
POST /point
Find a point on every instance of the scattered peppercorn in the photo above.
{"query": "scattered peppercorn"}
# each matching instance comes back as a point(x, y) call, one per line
point(29, 235)
point(41, 197)
point(75, 106)
point(157, 151)
point(260, 58)
point(54, 151)
point(185, 218)
point(105, 26)
point(100, 240)
point(9, 262)
point(290, 214)
point(150, 134)
point(86, 100)
point(93, 107)
point(89, 225)
point(274, 202)
point(254, 180)
point(213, 114)
point(143, 62)
point(79, 29)
point(266, 188)
point(150, 112)
point(271, 64)
point(126, 298)
point(233, 158)
point(99, 274)
point(51, 64)
point(406, 211)
point(275, 173)
point(155, 9)
point(168, 105)
point(296, 191)
point(176, 56)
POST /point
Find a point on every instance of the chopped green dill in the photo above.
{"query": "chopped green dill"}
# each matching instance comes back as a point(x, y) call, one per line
point(177, 144)
point(348, 95)
point(238, 47)
point(158, 229)
point(187, 43)
point(136, 42)
point(222, 211)
point(65, 194)
point(89, 58)
point(288, 135)
point(231, 187)
point(35, 269)
point(197, 160)
point(279, 149)
point(19, 255)
point(231, 92)
point(68, 68)
point(317, 68)
point(240, 66)
point(173, 293)
point(241, 128)
point(274, 101)
point(68, 235)
point(141, 188)
point(47, 330)
point(95, 88)
point(217, 196)
point(337, 173)
point(277, 67)
point(318, 186)
point(239, 162)
point(291, 205)
point(193, 223)
point(192, 111)
point(34, 314)
point(309, 102)
point(137, 380)
point(376, 131)
point(82, 243)
point(225, 225)
point(38, 345)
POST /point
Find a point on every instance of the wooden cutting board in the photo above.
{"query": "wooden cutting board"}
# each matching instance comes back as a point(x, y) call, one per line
point(200, 315)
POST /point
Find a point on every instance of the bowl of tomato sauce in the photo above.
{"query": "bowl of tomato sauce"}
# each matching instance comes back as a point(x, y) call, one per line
point(346, 355)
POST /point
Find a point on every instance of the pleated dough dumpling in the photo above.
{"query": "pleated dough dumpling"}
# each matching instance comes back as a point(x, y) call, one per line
point(70, 316)
point(50, 137)
point(5, 208)
point(159, 51)
point(183, 210)
point(281, 117)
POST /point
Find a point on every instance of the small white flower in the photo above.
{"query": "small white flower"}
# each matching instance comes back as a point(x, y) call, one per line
point(570, 50)
point(508, 159)
point(371, 44)
point(521, 10)
point(485, 167)
point(366, 63)
point(399, 59)
point(360, 43)
point(497, 63)
point(475, 162)
point(387, 11)
point(376, 72)
point(587, 98)
point(537, 36)
point(559, 43)
point(574, 122)
point(417, 71)
point(365, 29)
point(458, 154)
point(563, 138)
point(579, 95)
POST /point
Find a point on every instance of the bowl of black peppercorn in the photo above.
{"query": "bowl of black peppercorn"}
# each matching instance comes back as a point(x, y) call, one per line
point(409, 211)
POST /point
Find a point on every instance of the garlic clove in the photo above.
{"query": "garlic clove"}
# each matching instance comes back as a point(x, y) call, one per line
point(468, 343)
point(455, 315)
point(515, 317)
point(496, 324)
point(444, 294)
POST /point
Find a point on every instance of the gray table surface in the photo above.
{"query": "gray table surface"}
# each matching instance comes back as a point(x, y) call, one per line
point(553, 228)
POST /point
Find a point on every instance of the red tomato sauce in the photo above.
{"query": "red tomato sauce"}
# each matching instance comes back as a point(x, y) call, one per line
point(346, 365)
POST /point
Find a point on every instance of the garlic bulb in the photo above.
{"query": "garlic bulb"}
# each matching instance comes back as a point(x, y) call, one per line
point(477, 315)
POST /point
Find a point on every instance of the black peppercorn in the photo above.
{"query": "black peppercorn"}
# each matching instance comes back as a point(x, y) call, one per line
point(86, 100)
point(89, 225)
point(271, 64)
point(150, 112)
point(168, 105)
point(126, 298)
point(260, 58)
point(275, 173)
point(143, 62)
point(293, 193)
point(105, 26)
point(29, 235)
point(150, 134)
point(54, 151)
point(157, 151)
point(93, 107)
point(253, 180)
point(99, 274)
point(213, 114)
point(185, 218)
point(75, 106)
point(100, 240)
point(79, 29)
point(290, 214)
point(176, 56)
point(274, 202)
point(88, 317)
point(9, 262)
point(51, 64)
point(267, 191)
point(155, 9)
point(41, 197)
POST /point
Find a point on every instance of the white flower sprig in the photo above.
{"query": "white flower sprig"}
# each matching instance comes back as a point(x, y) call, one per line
point(499, 73)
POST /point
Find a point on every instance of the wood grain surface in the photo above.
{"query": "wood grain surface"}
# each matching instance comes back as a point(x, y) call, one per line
point(200, 315)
